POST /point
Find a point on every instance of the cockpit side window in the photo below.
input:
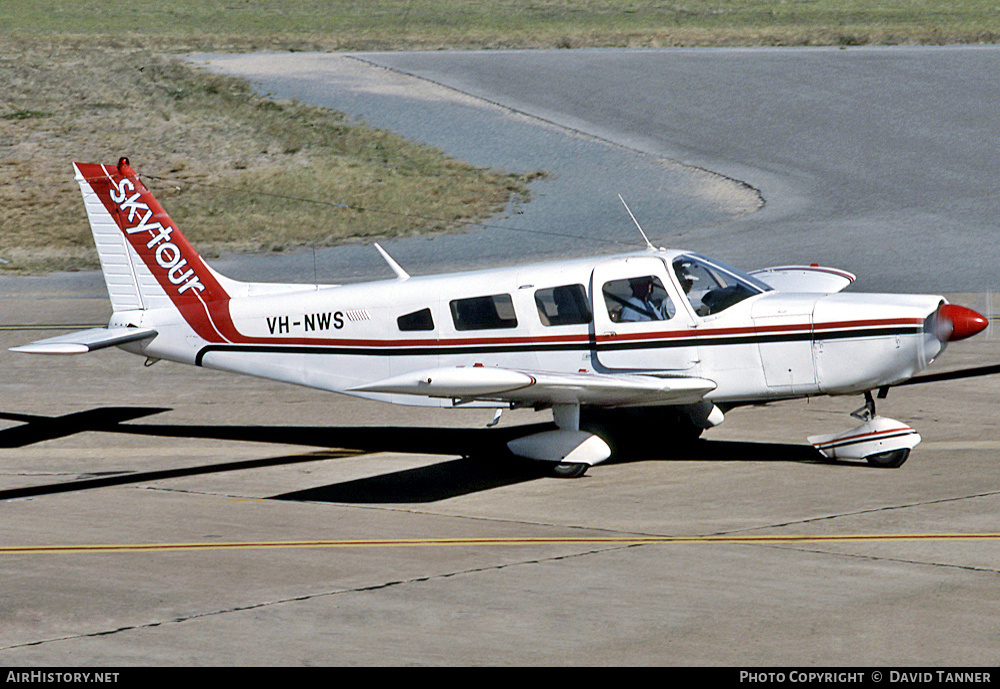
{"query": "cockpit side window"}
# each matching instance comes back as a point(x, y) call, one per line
point(566, 305)
point(713, 287)
point(637, 299)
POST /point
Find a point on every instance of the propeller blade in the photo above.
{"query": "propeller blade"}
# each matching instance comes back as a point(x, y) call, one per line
point(952, 375)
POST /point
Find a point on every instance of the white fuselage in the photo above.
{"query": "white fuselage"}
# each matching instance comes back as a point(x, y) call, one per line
point(766, 345)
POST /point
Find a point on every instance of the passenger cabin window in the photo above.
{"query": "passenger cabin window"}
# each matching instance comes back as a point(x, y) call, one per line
point(712, 287)
point(418, 320)
point(484, 313)
point(637, 299)
point(566, 305)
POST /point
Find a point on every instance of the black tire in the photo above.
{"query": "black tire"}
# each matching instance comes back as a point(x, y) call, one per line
point(888, 460)
point(570, 469)
point(627, 431)
point(686, 430)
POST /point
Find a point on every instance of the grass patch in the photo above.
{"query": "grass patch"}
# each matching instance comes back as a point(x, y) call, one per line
point(396, 24)
point(235, 170)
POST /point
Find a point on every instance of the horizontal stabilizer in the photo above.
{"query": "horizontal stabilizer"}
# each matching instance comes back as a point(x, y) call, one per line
point(84, 341)
point(468, 383)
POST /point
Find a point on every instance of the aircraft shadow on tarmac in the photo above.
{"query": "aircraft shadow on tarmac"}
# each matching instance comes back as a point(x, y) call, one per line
point(497, 467)
point(483, 461)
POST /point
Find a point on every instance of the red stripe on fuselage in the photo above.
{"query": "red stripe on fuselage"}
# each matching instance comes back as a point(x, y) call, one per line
point(582, 338)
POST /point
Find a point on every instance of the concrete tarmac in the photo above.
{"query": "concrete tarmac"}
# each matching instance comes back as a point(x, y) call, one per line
point(167, 515)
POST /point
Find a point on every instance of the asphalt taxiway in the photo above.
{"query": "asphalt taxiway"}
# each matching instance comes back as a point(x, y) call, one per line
point(167, 515)
point(880, 161)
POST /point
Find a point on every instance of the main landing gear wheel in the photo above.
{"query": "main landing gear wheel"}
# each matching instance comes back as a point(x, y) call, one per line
point(570, 469)
point(888, 460)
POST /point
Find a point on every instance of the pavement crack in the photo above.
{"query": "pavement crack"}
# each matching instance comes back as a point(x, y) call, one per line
point(881, 558)
point(855, 513)
point(310, 596)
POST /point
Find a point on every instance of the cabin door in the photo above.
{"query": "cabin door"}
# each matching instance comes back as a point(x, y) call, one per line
point(640, 322)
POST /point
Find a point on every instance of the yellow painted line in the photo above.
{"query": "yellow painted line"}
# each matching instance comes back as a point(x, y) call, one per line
point(445, 542)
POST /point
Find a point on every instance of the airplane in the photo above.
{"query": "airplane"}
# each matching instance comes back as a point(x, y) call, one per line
point(671, 335)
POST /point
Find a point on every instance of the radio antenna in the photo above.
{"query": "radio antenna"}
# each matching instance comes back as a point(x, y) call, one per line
point(637, 225)
point(396, 268)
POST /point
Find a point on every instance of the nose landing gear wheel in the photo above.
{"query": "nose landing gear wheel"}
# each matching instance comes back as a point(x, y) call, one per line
point(888, 460)
point(570, 469)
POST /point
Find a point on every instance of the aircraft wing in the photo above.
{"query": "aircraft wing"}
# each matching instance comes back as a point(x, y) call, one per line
point(810, 279)
point(481, 383)
point(84, 341)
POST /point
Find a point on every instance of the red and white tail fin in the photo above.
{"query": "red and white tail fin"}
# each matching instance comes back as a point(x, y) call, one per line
point(147, 262)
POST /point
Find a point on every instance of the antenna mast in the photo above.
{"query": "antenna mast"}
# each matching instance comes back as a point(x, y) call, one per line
point(637, 225)
point(396, 268)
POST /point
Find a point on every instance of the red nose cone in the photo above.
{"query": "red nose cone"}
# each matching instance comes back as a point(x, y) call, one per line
point(964, 322)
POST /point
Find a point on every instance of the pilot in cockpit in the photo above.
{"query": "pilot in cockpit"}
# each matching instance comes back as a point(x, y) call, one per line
point(646, 303)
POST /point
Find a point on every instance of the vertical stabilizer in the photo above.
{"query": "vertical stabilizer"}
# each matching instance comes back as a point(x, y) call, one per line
point(147, 262)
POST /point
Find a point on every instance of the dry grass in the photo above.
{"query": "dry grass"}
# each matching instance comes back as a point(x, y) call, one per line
point(176, 25)
point(233, 169)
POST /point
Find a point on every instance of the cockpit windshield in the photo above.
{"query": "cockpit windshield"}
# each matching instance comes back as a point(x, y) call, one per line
point(713, 287)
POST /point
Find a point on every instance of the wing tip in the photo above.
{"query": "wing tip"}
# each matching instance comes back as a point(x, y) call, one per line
point(51, 348)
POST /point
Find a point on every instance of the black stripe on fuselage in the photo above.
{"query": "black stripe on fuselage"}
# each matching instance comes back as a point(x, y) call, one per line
point(714, 341)
point(580, 345)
